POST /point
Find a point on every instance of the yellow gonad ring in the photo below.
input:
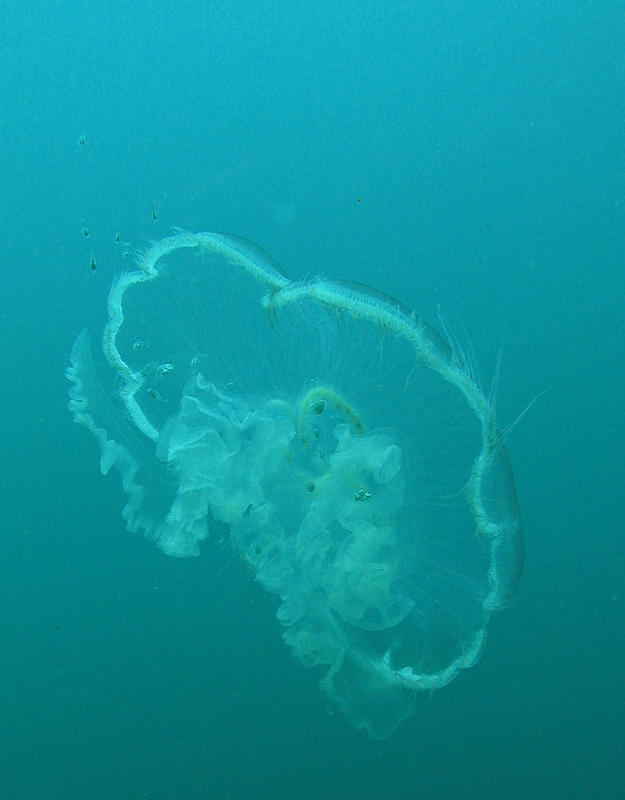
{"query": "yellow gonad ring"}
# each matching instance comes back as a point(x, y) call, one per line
point(314, 404)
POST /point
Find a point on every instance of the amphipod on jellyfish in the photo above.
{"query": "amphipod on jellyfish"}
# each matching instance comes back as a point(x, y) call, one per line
point(347, 446)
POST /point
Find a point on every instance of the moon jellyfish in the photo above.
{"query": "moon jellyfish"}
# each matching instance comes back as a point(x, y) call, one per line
point(346, 445)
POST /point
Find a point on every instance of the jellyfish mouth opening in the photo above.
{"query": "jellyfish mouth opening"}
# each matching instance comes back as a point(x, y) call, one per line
point(345, 446)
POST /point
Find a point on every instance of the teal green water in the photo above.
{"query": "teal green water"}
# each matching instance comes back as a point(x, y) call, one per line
point(462, 157)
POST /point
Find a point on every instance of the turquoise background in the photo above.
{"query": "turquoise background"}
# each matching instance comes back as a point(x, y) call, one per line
point(467, 155)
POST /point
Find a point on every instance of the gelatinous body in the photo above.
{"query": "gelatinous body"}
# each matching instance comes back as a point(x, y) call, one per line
point(348, 447)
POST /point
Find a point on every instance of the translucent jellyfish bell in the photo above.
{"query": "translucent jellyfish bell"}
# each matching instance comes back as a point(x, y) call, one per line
point(347, 446)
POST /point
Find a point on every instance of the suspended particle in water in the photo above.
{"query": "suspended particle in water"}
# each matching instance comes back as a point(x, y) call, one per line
point(82, 140)
point(163, 369)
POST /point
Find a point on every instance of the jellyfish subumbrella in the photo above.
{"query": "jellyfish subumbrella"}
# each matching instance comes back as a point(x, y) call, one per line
point(347, 446)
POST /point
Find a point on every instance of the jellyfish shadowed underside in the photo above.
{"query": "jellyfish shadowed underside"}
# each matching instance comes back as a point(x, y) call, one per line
point(346, 445)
